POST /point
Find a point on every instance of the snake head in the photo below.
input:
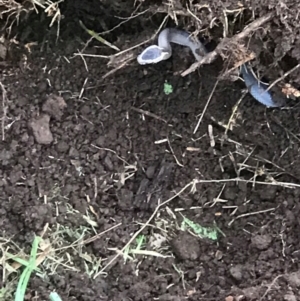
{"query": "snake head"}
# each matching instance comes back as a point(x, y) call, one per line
point(152, 55)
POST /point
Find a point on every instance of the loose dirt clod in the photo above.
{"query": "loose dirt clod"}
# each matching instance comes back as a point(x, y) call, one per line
point(3, 51)
point(41, 129)
point(261, 242)
point(185, 246)
point(237, 272)
point(54, 106)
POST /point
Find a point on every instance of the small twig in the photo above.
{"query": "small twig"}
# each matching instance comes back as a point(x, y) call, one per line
point(161, 10)
point(84, 61)
point(176, 160)
point(274, 183)
point(211, 56)
point(283, 76)
point(235, 108)
point(174, 17)
point(82, 89)
point(4, 109)
point(95, 237)
point(193, 15)
point(270, 286)
point(133, 15)
point(249, 214)
point(148, 114)
point(112, 151)
point(116, 69)
point(205, 108)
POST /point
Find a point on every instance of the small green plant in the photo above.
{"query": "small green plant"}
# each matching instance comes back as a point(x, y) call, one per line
point(203, 232)
point(168, 89)
point(138, 250)
point(6, 292)
point(54, 297)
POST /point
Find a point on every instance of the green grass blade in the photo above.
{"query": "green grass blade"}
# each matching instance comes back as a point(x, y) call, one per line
point(25, 276)
point(97, 37)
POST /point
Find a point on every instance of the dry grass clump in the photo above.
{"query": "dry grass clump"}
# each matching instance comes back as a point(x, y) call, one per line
point(11, 11)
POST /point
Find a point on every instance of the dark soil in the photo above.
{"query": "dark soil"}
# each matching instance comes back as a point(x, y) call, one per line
point(70, 134)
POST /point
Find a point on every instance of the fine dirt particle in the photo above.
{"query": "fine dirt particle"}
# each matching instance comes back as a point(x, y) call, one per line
point(253, 293)
point(41, 129)
point(3, 51)
point(268, 194)
point(261, 242)
point(186, 246)
point(125, 198)
point(294, 279)
point(62, 146)
point(5, 155)
point(289, 297)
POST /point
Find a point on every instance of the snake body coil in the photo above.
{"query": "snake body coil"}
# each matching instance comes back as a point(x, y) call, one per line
point(163, 51)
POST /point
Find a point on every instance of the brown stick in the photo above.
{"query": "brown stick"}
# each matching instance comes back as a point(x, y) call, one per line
point(211, 56)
